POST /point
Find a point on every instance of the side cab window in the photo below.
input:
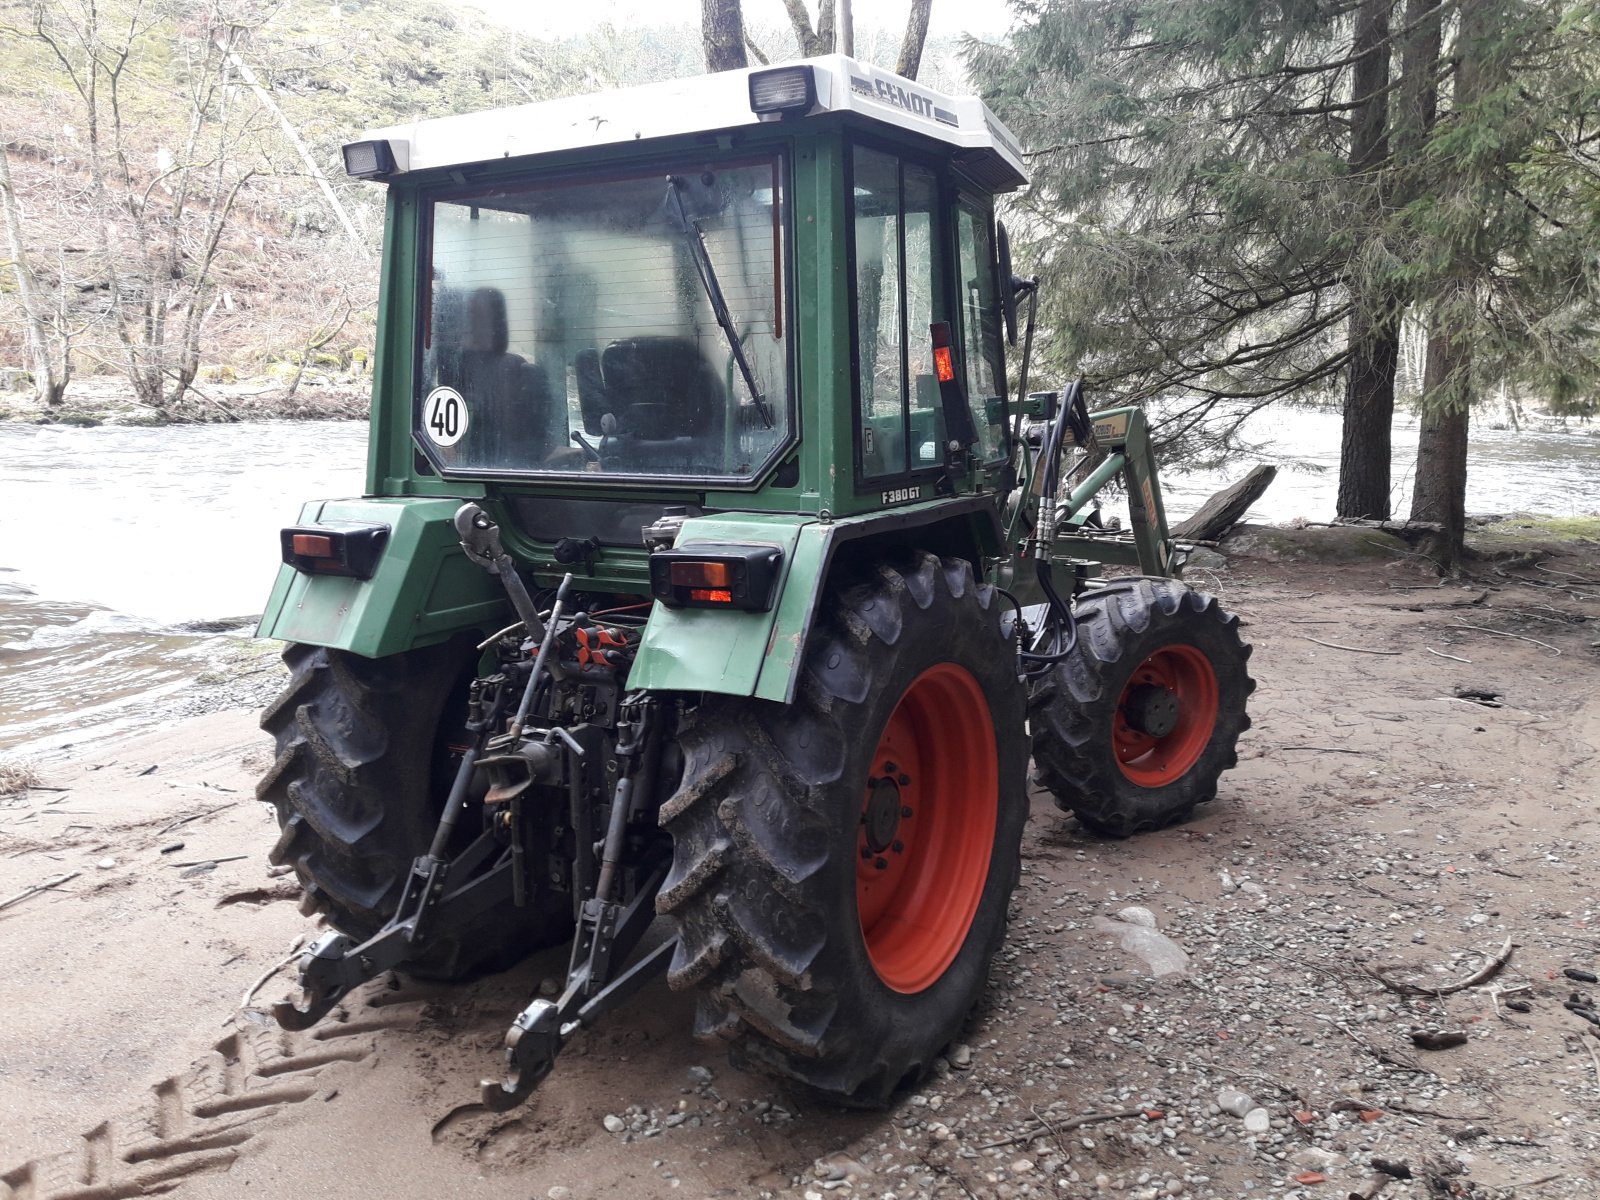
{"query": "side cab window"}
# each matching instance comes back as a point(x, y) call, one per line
point(898, 251)
point(980, 329)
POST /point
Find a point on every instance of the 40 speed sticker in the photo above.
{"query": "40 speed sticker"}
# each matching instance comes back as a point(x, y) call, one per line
point(444, 416)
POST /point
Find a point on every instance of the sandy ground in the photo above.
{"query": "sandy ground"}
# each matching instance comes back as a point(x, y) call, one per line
point(1375, 820)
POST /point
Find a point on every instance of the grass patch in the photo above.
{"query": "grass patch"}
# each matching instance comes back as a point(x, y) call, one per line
point(1537, 527)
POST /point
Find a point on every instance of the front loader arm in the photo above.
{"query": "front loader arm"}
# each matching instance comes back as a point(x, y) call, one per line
point(1124, 436)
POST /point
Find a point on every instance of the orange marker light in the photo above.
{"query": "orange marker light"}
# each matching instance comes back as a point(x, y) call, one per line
point(701, 575)
point(942, 364)
point(313, 545)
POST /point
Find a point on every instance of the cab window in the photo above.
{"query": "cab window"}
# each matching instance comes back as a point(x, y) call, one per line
point(896, 253)
point(980, 326)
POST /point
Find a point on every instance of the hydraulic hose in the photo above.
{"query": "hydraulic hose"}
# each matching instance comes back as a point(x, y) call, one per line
point(1045, 529)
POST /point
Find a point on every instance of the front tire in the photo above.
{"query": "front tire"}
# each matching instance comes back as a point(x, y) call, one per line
point(1132, 731)
point(842, 866)
point(363, 765)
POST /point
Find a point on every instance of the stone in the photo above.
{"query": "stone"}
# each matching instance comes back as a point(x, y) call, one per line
point(105, 864)
point(1257, 1120)
point(1021, 1166)
point(960, 1056)
point(700, 1076)
point(1205, 560)
point(1315, 1158)
point(614, 1123)
point(1234, 1102)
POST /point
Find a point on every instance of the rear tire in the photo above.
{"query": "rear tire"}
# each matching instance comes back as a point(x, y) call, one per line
point(1139, 638)
point(810, 960)
point(362, 770)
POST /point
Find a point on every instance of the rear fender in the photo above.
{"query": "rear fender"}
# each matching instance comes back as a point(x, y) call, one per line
point(759, 654)
point(423, 591)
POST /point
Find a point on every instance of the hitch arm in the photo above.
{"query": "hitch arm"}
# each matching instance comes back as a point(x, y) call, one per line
point(605, 935)
point(335, 964)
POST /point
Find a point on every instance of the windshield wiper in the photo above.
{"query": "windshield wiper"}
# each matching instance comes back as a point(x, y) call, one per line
point(713, 289)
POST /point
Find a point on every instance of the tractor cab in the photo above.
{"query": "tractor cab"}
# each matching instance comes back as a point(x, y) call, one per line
point(776, 280)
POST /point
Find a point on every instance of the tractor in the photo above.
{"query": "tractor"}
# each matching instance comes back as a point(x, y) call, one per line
point(711, 589)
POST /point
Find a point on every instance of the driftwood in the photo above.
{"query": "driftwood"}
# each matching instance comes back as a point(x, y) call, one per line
point(1482, 975)
point(1223, 511)
point(39, 887)
point(1397, 527)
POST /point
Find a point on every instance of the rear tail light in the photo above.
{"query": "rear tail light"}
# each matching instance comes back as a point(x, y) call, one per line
point(708, 575)
point(351, 550)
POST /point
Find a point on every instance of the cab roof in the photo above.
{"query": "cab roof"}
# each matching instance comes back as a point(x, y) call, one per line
point(981, 145)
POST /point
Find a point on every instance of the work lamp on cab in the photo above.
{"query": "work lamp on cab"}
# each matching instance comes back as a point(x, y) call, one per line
point(368, 160)
point(783, 92)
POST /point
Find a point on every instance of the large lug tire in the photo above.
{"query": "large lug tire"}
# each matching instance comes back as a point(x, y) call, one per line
point(842, 866)
point(1134, 728)
point(363, 765)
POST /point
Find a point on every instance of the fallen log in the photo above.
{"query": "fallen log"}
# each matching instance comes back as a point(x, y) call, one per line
point(1225, 509)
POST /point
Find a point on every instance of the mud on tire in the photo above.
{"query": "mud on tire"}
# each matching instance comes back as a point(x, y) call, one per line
point(362, 768)
point(1075, 712)
point(766, 829)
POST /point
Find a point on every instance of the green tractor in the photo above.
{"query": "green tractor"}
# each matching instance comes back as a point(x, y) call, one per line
point(701, 610)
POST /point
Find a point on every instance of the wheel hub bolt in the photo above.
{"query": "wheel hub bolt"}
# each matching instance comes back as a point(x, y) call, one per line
point(905, 781)
point(899, 847)
point(905, 810)
point(882, 864)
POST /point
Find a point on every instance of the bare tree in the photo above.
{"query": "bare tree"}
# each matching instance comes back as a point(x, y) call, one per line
point(812, 41)
point(159, 231)
point(834, 31)
point(51, 372)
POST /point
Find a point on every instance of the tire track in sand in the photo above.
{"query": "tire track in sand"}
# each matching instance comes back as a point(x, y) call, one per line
point(196, 1121)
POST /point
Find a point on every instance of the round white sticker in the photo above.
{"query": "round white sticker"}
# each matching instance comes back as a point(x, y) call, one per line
point(444, 416)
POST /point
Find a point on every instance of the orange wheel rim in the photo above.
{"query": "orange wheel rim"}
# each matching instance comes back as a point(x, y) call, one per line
point(1165, 716)
point(927, 828)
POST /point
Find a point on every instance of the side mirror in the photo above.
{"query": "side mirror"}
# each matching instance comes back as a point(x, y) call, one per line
point(1008, 286)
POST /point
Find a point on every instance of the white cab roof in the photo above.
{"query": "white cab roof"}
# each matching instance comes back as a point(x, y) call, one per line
point(982, 145)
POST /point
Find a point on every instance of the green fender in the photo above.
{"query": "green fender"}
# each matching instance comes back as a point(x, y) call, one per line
point(726, 650)
point(758, 653)
point(423, 591)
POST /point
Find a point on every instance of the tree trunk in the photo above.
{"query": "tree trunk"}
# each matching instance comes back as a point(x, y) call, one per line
point(1365, 446)
point(47, 384)
point(916, 34)
point(1440, 490)
point(1374, 340)
point(722, 30)
point(812, 42)
point(1440, 493)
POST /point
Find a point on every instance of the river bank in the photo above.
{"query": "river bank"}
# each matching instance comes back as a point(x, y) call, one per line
point(108, 400)
point(1411, 804)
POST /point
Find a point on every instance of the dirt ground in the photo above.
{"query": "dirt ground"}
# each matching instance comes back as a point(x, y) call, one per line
point(1376, 820)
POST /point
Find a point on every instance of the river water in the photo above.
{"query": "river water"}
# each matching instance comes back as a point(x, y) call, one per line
point(113, 540)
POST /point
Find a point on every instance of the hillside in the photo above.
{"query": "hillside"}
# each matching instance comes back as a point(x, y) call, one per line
point(292, 278)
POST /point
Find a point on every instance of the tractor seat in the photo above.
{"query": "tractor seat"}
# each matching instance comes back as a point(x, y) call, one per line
point(666, 406)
